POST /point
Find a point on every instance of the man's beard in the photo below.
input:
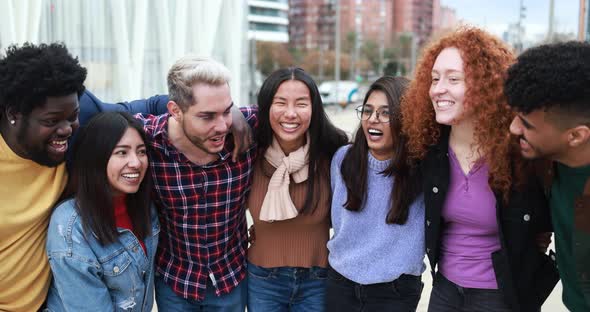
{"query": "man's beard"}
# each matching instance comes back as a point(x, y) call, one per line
point(198, 142)
point(35, 153)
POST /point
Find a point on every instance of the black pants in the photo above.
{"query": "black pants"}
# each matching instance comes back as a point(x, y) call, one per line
point(448, 296)
point(401, 294)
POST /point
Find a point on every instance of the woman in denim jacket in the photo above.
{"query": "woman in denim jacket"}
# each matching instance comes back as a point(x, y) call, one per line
point(101, 243)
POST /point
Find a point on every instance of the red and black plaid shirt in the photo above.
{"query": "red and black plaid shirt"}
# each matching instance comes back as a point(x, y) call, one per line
point(202, 213)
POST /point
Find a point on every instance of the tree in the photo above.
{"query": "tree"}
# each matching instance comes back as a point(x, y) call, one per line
point(271, 56)
point(370, 52)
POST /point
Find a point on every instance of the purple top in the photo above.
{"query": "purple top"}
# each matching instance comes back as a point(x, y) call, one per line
point(470, 230)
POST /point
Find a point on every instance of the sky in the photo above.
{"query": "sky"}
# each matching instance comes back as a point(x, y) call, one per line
point(495, 15)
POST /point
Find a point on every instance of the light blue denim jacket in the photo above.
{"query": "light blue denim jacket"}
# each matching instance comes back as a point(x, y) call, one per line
point(90, 277)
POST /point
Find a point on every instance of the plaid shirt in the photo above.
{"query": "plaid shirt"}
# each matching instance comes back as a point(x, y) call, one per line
point(202, 213)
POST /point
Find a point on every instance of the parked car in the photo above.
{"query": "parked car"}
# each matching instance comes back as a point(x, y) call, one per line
point(341, 92)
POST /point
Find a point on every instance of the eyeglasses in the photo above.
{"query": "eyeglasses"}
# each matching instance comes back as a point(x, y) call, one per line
point(365, 113)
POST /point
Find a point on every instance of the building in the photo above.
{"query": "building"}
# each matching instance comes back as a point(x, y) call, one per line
point(268, 20)
point(415, 17)
point(584, 21)
point(370, 20)
point(311, 24)
point(443, 18)
point(129, 46)
point(312, 21)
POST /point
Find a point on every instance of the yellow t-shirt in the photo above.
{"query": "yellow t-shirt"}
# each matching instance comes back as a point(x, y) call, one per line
point(28, 191)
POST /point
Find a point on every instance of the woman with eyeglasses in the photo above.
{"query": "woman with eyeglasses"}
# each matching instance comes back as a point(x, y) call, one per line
point(290, 195)
point(377, 251)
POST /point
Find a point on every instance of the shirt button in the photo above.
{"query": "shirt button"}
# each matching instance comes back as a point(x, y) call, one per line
point(116, 269)
point(526, 217)
point(435, 190)
point(135, 249)
point(553, 257)
point(427, 250)
point(427, 222)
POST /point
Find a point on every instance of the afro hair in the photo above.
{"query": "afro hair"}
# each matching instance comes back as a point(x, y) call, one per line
point(551, 76)
point(31, 73)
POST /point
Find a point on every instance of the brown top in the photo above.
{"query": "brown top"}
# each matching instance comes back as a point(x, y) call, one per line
point(297, 242)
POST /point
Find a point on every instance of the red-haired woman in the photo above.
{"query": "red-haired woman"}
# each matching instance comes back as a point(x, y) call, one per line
point(484, 210)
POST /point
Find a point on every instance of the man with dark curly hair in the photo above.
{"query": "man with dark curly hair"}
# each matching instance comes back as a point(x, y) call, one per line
point(42, 103)
point(549, 87)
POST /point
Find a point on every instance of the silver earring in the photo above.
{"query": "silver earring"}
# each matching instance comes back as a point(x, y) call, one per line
point(12, 122)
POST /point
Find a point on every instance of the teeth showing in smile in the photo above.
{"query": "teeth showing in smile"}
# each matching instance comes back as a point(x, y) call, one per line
point(442, 104)
point(59, 142)
point(217, 139)
point(131, 175)
point(289, 125)
point(375, 132)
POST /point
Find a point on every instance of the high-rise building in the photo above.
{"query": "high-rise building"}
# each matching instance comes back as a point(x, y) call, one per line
point(371, 20)
point(443, 18)
point(268, 20)
point(415, 17)
point(584, 21)
point(311, 24)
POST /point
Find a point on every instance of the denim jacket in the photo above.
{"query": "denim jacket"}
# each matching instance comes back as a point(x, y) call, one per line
point(90, 277)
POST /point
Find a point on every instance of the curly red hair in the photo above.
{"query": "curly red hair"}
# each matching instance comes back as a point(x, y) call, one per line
point(485, 63)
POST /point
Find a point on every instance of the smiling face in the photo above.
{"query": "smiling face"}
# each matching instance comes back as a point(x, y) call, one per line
point(378, 134)
point(447, 90)
point(127, 164)
point(207, 122)
point(42, 136)
point(539, 137)
point(290, 114)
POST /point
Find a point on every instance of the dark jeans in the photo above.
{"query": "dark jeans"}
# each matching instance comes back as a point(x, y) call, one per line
point(448, 296)
point(168, 301)
point(286, 289)
point(401, 294)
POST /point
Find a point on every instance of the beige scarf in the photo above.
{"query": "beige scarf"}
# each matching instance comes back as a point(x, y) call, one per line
point(277, 204)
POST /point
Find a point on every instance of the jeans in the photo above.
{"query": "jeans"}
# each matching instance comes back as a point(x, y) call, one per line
point(168, 301)
point(448, 296)
point(286, 289)
point(401, 294)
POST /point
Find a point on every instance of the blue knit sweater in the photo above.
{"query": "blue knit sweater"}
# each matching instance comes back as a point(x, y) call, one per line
point(364, 248)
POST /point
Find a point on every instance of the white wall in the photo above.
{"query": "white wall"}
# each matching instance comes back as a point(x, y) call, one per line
point(129, 45)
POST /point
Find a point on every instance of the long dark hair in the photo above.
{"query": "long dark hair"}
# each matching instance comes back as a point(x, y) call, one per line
point(94, 197)
point(354, 165)
point(324, 136)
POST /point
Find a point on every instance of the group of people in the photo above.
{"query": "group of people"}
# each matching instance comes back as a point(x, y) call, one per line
point(473, 163)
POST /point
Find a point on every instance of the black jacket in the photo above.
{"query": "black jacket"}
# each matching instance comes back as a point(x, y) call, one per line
point(524, 275)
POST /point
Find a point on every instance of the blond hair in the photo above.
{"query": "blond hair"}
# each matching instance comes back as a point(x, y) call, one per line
point(190, 70)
